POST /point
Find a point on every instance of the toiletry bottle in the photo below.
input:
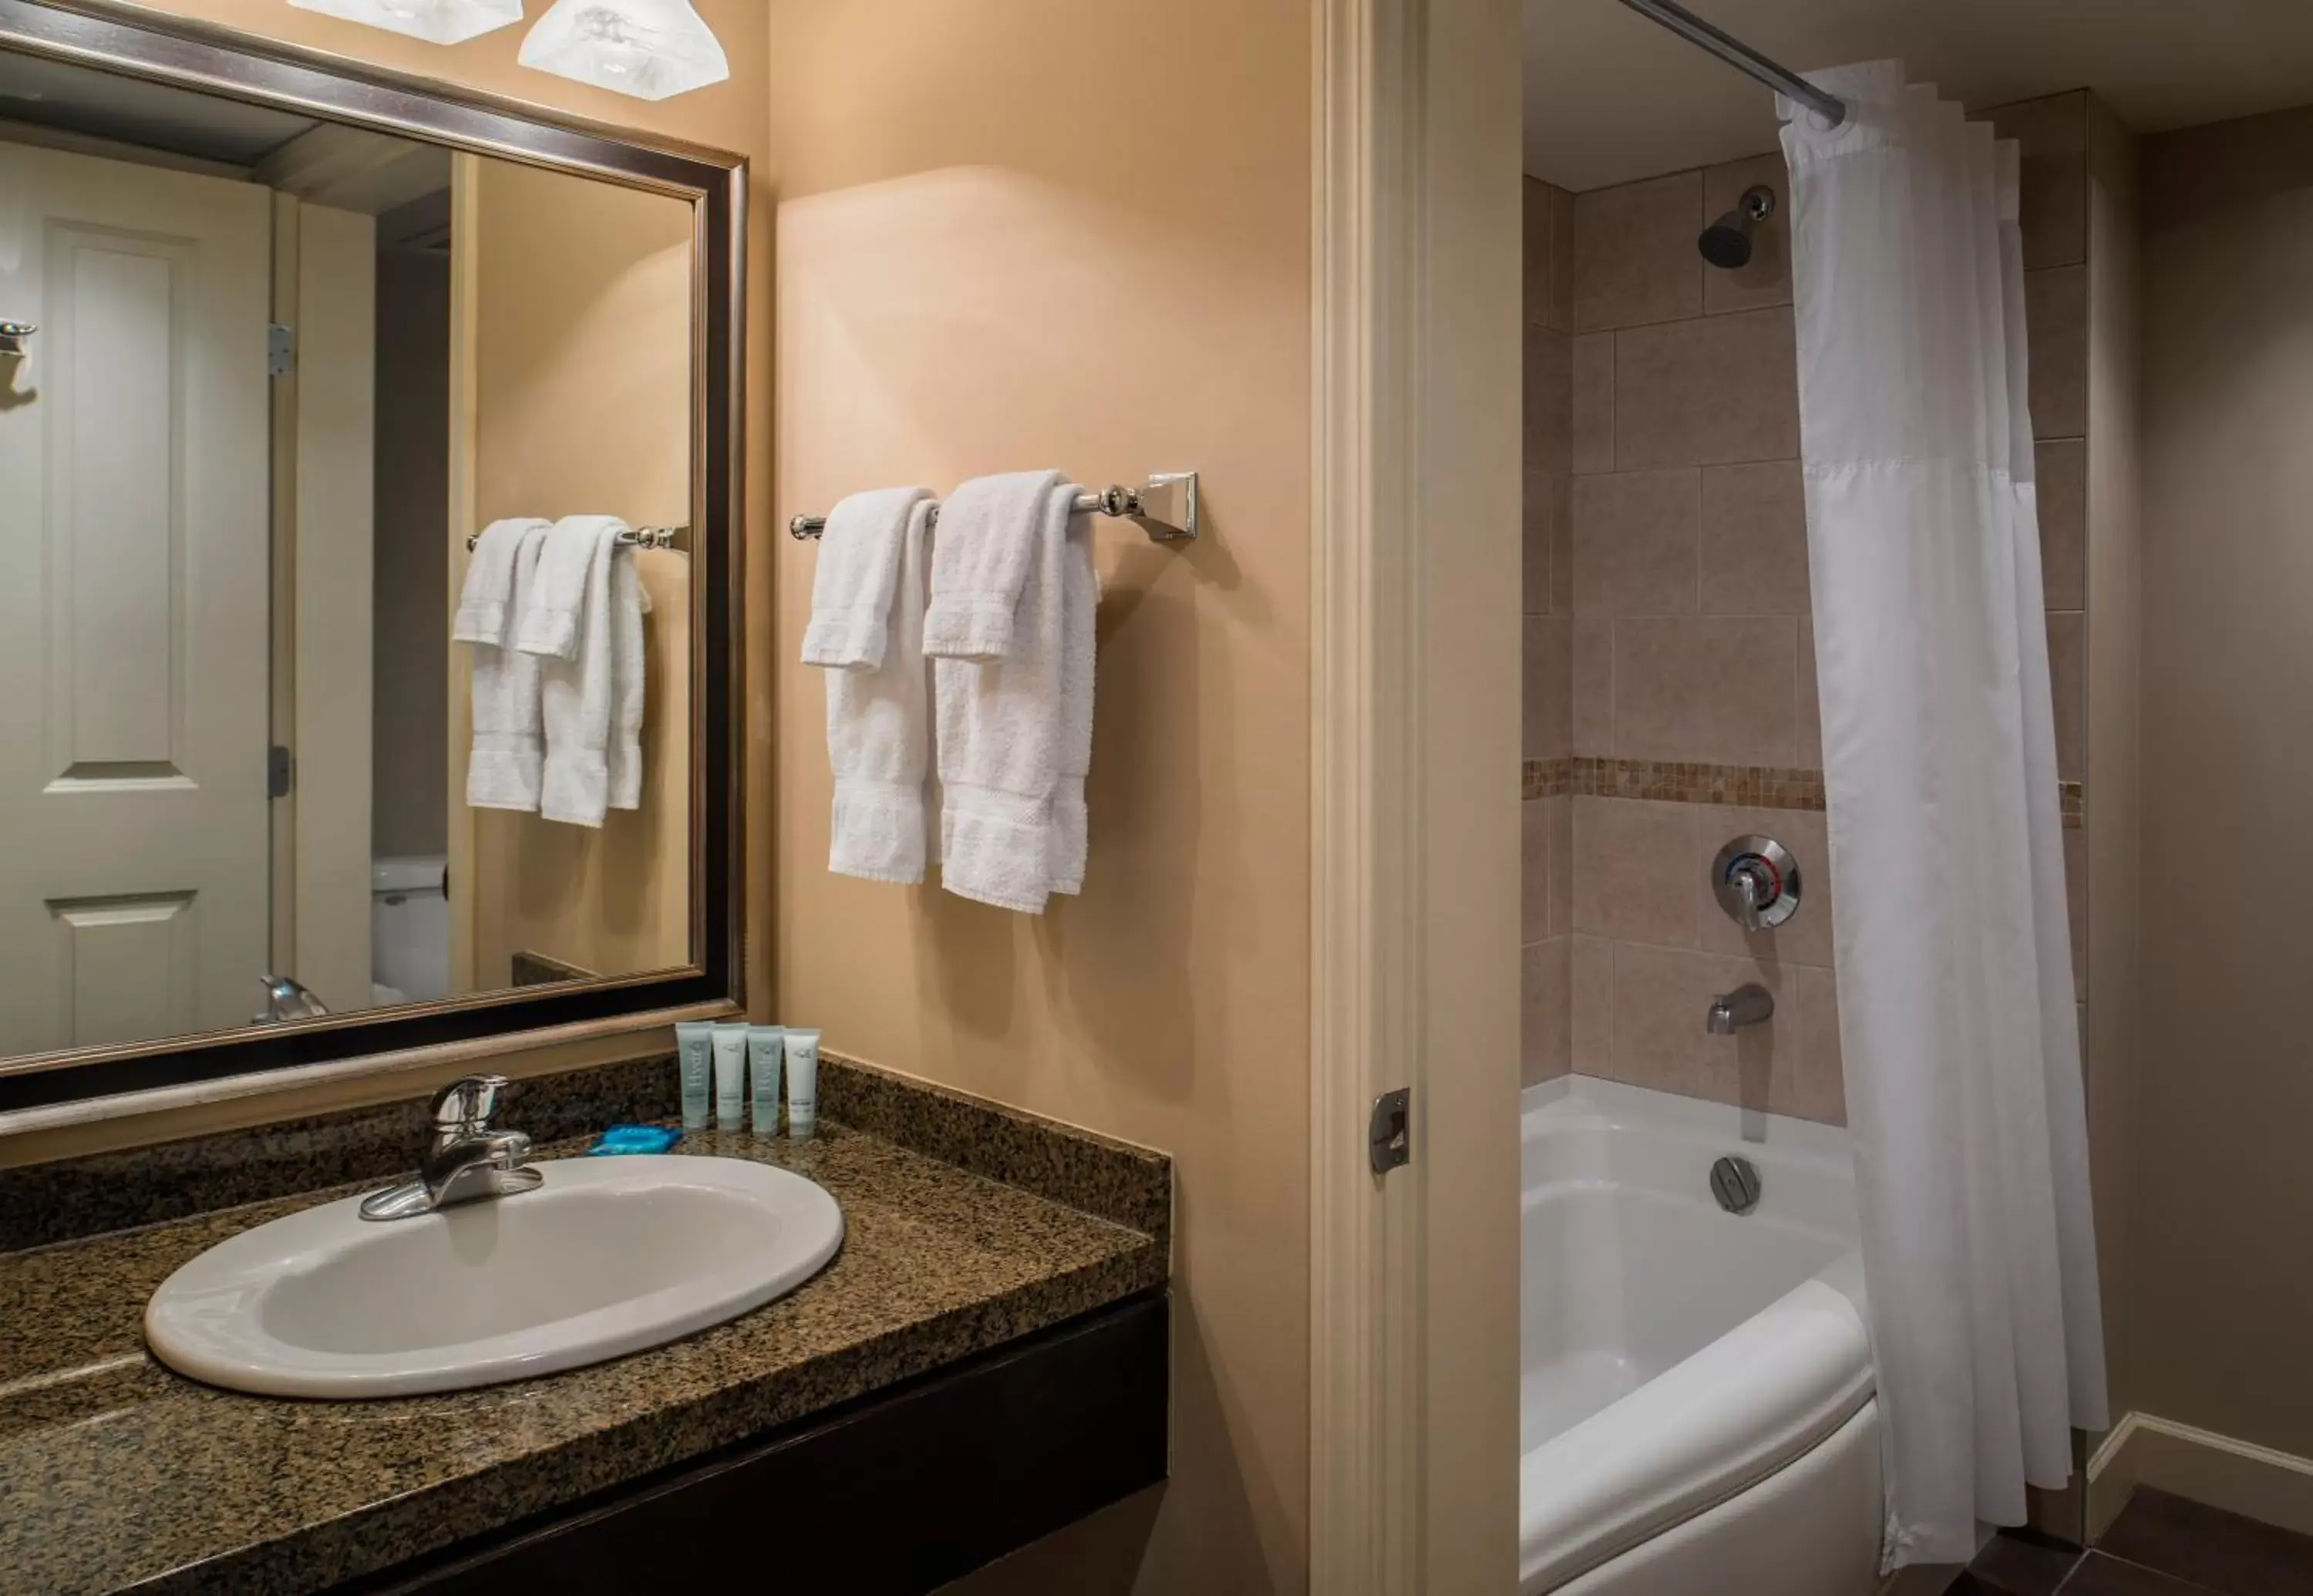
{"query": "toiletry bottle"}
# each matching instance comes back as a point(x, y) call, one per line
point(730, 1074)
point(694, 1052)
point(766, 1050)
point(803, 1082)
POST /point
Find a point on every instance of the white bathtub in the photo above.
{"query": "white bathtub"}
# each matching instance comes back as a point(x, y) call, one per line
point(1696, 1405)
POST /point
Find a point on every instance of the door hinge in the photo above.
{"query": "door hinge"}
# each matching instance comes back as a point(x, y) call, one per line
point(280, 351)
point(1389, 1132)
point(278, 767)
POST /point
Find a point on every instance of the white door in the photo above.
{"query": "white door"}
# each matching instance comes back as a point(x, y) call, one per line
point(133, 602)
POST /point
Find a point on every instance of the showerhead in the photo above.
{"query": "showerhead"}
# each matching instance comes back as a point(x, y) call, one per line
point(1725, 243)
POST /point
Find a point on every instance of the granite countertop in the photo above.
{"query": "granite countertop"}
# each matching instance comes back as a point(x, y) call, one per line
point(115, 1474)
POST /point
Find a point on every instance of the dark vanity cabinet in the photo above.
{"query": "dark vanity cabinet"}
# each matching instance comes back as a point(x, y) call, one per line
point(902, 1491)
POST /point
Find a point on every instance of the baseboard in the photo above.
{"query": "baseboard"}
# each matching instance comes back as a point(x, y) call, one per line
point(2240, 1476)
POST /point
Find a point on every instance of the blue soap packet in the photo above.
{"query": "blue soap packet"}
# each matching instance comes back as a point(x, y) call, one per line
point(621, 1139)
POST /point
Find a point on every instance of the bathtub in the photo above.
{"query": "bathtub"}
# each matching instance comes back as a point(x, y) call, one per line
point(1696, 1394)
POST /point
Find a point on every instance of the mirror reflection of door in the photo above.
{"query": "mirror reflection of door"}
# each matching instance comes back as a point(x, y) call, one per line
point(284, 369)
point(133, 612)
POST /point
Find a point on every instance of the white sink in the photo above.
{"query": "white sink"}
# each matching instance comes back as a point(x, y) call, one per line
point(608, 1256)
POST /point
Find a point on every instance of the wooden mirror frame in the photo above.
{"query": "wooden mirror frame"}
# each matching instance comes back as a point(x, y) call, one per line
point(218, 61)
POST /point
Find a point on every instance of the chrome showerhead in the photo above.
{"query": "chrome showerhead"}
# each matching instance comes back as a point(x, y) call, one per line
point(1725, 243)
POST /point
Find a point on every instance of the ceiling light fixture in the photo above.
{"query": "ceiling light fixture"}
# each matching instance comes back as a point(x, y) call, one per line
point(648, 48)
point(440, 22)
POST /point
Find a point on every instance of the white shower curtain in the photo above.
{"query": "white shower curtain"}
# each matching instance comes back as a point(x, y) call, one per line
point(1953, 954)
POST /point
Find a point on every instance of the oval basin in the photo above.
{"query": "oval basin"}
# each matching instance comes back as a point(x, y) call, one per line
point(608, 1256)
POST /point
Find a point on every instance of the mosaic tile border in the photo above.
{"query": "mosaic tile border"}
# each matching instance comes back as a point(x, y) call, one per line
point(1739, 786)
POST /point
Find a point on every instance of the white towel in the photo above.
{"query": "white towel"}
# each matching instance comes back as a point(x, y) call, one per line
point(878, 717)
point(629, 603)
point(504, 769)
point(1014, 729)
point(858, 573)
point(551, 615)
point(1079, 609)
point(486, 604)
point(580, 697)
point(980, 561)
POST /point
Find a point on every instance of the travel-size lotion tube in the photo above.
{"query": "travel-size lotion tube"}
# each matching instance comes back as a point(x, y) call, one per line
point(694, 1052)
point(803, 1082)
point(766, 1048)
point(730, 1074)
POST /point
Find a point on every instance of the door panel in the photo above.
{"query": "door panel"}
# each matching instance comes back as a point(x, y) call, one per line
point(129, 966)
point(134, 444)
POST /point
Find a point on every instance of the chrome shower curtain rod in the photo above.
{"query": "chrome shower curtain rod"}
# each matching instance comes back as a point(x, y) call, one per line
point(1741, 56)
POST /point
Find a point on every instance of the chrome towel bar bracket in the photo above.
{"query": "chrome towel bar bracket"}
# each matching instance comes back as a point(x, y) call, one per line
point(1165, 508)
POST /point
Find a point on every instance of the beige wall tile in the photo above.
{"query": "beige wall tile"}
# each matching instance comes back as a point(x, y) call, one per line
point(2056, 328)
point(1634, 870)
point(1560, 918)
point(1548, 687)
point(2053, 132)
point(1545, 1020)
point(1634, 254)
point(1561, 271)
point(1635, 548)
point(1805, 939)
point(2062, 468)
point(1538, 254)
point(1810, 707)
point(1590, 986)
point(1661, 998)
point(1810, 1082)
point(1716, 690)
point(1708, 391)
point(2051, 125)
point(1593, 671)
point(1538, 539)
point(2068, 672)
point(1766, 279)
point(1753, 540)
point(1549, 423)
point(2054, 210)
point(1562, 546)
point(1533, 870)
point(1593, 401)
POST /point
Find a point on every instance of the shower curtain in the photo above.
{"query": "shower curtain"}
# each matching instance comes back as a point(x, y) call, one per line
point(1953, 951)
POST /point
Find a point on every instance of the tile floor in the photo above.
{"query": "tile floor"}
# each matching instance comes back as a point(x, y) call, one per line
point(2161, 1545)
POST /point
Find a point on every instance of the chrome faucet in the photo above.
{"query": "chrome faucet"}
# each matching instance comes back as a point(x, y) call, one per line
point(288, 997)
point(1748, 1004)
point(465, 1160)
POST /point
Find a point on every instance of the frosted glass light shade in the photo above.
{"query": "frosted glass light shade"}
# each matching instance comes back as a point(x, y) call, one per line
point(443, 22)
point(649, 49)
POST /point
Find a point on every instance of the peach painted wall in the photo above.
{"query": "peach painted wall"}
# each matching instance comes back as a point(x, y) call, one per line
point(1667, 610)
point(2223, 1215)
point(581, 348)
point(1057, 234)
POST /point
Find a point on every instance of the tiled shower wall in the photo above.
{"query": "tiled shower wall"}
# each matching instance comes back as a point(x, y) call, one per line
point(1669, 685)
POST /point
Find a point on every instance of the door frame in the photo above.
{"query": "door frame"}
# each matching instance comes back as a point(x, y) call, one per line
point(1416, 662)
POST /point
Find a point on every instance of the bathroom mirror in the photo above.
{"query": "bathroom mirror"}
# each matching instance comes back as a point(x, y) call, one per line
point(285, 337)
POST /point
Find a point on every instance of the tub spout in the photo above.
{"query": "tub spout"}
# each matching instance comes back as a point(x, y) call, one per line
point(1749, 1004)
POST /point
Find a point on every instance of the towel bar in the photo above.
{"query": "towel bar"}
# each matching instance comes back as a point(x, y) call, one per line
point(641, 537)
point(1165, 508)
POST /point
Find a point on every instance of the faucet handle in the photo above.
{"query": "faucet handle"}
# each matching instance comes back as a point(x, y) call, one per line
point(467, 1103)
